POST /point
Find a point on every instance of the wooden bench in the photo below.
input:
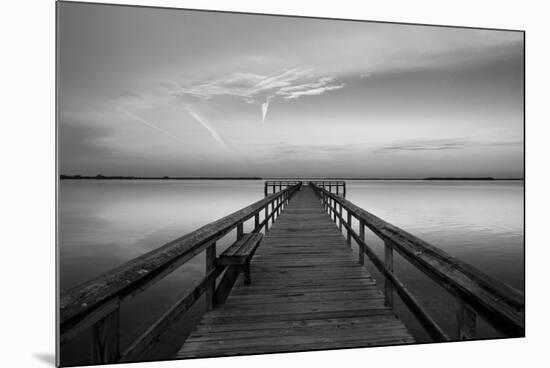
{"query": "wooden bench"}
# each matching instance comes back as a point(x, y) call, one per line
point(240, 253)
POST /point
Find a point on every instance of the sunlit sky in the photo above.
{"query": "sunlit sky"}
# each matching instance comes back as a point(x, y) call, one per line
point(154, 92)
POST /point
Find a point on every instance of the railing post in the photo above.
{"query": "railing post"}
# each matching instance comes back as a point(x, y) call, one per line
point(349, 227)
point(340, 216)
point(240, 231)
point(361, 244)
point(211, 286)
point(265, 189)
point(337, 189)
point(266, 210)
point(465, 321)
point(257, 221)
point(105, 338)
point(388, 287)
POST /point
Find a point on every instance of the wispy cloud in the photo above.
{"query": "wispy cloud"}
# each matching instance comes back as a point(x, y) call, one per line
point(257, 88)
point(265, 106)
point(215, 135)
point(444, 144)
point(309, 89)
point(134, 117)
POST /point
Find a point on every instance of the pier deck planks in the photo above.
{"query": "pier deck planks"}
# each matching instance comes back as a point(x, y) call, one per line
point(307, 293)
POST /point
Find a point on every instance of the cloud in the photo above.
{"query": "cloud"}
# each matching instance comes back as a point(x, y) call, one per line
point(257, 88)
point(265, 106)
point(150, 125)
point(444, 144)
point(215, 135)
point(310, 91)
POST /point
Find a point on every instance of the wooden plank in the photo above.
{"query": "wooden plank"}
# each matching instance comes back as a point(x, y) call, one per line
point(307, 292)
point(248, 248)
point(236, 246)
point(231, 326)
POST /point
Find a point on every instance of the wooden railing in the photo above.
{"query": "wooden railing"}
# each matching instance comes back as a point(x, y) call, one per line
point(332, 186)
point(278, 185)
point(96, 304)
point(499, 304)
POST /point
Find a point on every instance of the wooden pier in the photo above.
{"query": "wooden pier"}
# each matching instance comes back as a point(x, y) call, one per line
point(290, 283)
point(307, 293)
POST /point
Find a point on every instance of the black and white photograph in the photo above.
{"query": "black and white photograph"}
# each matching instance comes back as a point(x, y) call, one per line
point(233, 183)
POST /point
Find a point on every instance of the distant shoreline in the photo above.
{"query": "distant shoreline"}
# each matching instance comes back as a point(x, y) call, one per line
point(105, 177)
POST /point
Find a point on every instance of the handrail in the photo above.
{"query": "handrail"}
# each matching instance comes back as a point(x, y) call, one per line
point(329, 184)
point(273, 184)
point(500, 304)
point(96, 302)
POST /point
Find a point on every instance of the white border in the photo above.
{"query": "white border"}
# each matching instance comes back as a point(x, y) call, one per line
point(27, 155)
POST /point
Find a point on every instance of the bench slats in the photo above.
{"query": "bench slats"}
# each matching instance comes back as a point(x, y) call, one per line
point(242, 250)
point(249, 247)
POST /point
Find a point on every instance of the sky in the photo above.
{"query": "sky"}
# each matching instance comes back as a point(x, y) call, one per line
point(155, 92)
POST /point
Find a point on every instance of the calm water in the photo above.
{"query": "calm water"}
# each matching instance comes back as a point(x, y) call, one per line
point(105, 223)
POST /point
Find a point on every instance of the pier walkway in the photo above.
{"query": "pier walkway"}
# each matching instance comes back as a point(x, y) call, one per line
point(307, 293)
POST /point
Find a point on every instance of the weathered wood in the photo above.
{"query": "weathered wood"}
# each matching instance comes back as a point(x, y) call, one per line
point(211, 285)
point(466, 321)
point(361, 246)
point(148, 338)
point(105, 339)
point(240, 254)
point(240, 230)
point(307, 288)
point(340, 218)
point(500, 304)
point(257, 221)
point(226, 283)
point(241, 251)
point(350, 226)
point(91, 318)
point(388, 285)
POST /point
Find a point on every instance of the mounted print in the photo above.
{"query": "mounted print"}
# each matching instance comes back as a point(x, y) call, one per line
point(235, 184)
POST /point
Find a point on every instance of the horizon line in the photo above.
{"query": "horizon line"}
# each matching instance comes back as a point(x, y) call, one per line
point(166, 177)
